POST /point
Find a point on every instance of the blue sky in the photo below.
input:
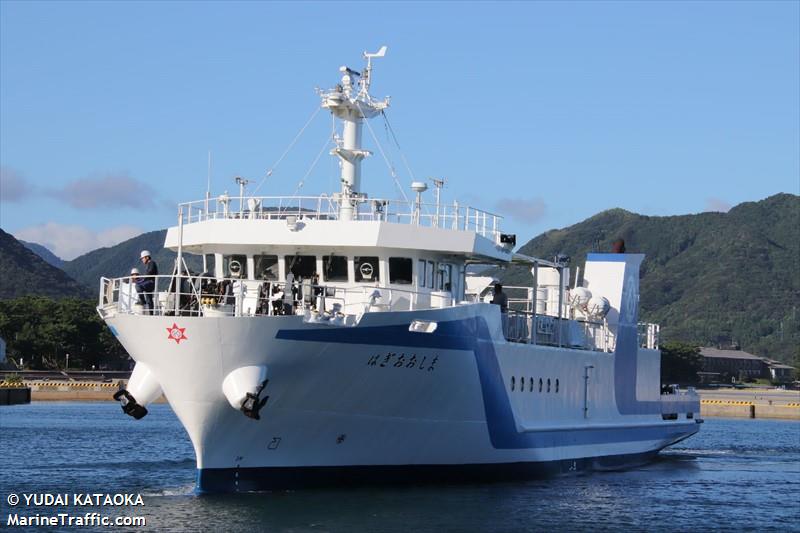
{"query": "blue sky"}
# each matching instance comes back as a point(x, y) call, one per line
point(547, 112)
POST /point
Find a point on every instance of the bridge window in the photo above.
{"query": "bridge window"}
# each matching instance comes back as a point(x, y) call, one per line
point(266, 267)
point(522, 384)
point(234, 266)
point(334, 268)
point(366, 269)
point(444, 277)
point(548, 384)
point(429, 274)
point(540, 384)
point(531, 386)
point(209, 264)
point(556, 384)
point(400, 270)
point(421, 273)
point(513, 382)
point(302, 266)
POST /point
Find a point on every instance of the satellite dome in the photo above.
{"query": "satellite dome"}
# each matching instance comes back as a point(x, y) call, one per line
point(598, 307)
point(579, 297)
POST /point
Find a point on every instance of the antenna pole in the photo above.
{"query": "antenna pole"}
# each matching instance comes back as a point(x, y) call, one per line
point(438, 183)
point(208, 182)
point(242, 183)
point(352, 106)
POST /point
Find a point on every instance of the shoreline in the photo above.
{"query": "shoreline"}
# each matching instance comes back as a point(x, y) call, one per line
point(714, 403)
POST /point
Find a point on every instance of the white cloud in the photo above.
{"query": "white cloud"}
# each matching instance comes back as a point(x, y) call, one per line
point(13, 187)
point(715, 204)
point(526, 210)
point(111, 191)
point(69, 241)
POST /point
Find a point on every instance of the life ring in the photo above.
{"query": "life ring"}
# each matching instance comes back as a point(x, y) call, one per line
point(366, 270)
point(235, 268)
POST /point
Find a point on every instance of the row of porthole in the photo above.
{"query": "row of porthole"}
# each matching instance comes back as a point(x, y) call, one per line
point(531, 383)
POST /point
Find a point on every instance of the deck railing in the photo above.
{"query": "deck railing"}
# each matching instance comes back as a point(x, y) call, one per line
point(205, 296)
point(448, 216)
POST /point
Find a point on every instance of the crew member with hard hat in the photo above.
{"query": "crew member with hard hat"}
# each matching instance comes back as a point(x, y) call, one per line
point(148, 281)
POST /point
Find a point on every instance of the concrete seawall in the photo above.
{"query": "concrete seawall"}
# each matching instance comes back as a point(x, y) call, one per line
point(750, 411)
point(750, 403)
point(65, 391)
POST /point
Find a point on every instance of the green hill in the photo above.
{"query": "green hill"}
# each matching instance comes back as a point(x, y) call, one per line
point(710, 278)
point(45, 253)
point(24, 273)
point(116, 261)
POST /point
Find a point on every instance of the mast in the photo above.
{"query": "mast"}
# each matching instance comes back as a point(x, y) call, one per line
point(351, 103)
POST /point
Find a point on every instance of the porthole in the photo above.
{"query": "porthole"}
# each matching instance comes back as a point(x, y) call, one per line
point(513, 382)
point(540, 384)
point(522, 384)
point(548, 384)
point(556, 384)
point(531, 389)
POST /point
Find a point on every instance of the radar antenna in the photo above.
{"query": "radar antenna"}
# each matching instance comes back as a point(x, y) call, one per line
point(365, 79)
point(352, 109)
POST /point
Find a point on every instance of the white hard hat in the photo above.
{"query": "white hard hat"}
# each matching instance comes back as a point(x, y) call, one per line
point(145, 253)
point(134, 271)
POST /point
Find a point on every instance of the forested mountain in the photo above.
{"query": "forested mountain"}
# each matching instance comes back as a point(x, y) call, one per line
point(45, 253)
point(116, 261)
point(23, 272)
point(710, 278)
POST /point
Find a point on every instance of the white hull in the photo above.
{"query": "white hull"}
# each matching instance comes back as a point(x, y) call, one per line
point(448, 401)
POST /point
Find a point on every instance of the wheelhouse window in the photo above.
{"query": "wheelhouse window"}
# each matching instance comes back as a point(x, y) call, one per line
point(209, 264)
point(334, 268)
point(302, 266)
point(234, 266)
point(444, 277)
point(429, 275)
point(266, 267)
point(366, 269)
point(421, 273)
point(400, 270)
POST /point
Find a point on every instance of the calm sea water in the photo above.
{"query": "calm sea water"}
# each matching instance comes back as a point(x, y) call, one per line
point(734, 475)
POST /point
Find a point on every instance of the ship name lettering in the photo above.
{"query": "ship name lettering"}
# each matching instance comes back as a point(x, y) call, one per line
point(403, 360)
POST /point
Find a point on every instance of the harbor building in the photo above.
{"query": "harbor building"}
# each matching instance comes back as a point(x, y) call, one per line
point(724, 364)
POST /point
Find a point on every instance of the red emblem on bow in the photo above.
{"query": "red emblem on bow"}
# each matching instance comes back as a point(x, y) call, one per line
point(177, 334)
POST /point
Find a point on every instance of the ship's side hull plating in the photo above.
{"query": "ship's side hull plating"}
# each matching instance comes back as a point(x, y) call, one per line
point(379, 403)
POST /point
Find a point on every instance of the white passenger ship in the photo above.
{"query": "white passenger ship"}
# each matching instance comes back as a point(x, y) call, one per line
point(341, 339)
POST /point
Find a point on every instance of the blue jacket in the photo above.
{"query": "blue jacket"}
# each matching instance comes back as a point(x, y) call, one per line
point(147, 283)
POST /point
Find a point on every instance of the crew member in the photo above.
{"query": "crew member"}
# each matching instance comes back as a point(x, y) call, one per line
point(500, 298)
point(148, 285)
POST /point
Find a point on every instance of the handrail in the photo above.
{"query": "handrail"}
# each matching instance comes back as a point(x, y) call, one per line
point(324, 207)
point(207, 296)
